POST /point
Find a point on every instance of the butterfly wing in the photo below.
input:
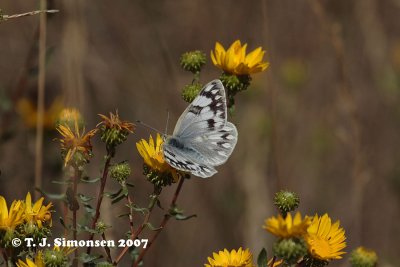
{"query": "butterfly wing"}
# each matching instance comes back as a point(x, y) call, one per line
point(213, 148)
point(206, 113)
point(202, 137)
point(182, 160)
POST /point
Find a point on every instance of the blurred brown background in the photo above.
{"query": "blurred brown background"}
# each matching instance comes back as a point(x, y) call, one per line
point(323, 120)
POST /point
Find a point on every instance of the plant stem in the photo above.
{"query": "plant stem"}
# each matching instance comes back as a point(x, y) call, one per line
point(135, 234)
point(100, 195)
point(31, 13)
point(40, 100)
point(162, 225)
point(107, 249)
point(77, 177)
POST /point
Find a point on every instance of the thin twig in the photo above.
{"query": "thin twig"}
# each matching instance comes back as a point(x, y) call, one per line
point(162, 225)
point(135, 234)
point(31, 13)
point(107, 249)
point(100, 195)
point(4, 254)
point(77, 177)
point(40, 101)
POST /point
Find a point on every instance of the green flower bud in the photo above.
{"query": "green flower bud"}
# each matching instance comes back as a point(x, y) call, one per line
point(55, 258)
point(114, 131)
point(235, 83)
point(120, 172)
point(113, 136)
point(190, 92)
point(286, 201)
point(158, 179)
point(101, 227)
point(290, 250)
point(362, 257)
point(193, 61)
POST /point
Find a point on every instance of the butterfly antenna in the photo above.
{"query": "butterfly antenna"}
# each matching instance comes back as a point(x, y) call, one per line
point(166, 125)
point(148, 126)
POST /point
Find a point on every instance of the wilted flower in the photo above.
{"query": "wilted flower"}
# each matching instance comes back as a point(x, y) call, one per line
point(68, 116)
point(75, 141)
point(114, 131)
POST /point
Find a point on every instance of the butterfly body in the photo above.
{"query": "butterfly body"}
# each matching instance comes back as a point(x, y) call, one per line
point(202, 138)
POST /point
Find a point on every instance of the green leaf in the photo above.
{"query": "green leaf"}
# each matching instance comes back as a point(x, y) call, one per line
point(262, 259)
point(123, 215)
point(144, 211)
point(90, 181)
point(85, 199)
point(51, 196)
point(181, 217)
point(86, 258)
point(152, 228)
point(113, 195)
point(63, 223)
point(61, 182)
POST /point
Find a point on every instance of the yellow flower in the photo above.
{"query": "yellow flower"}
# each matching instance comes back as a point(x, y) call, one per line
point(325, 240)
point(9, 219)
point(28, 112)
point(239, 258)
point(37, 213)
point(68, 116)
point(287, 227)
point(276, 263)
point(152, 155)
point(74, 141)
point(235, 61)
point(29, 263)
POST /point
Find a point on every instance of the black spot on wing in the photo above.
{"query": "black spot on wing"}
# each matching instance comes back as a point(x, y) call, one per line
point(195, 109)
point(211, 123)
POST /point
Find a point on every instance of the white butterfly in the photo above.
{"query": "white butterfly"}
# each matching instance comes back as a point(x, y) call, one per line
point(202, 138)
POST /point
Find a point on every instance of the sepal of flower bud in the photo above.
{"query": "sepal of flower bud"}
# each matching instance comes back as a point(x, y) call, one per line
point(120, 172)
point(362, 257)
point(286, 201)
point(190, 92)
point(290, 250)
point(193, 61)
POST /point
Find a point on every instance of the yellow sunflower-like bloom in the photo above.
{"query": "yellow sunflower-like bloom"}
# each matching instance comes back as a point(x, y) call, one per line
point(325, 240)
point(152, 155)
point(11, 218)
point(37, 213)
point(28, 112)
point(235, 61)
point(239, 258)
point(276, 263)
point(74, 141)
point(29, 263)
point(287, 227)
